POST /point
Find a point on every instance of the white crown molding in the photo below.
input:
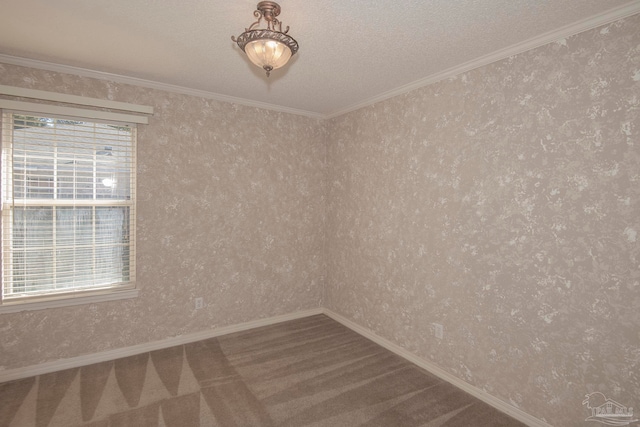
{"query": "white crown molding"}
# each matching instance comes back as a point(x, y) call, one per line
point(76, 362)
point(117, 78)
point(431, 367)
point(612, 15)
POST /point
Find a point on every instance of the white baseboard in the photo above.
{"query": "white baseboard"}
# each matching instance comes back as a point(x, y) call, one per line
point(499, 404)
point(75, 362)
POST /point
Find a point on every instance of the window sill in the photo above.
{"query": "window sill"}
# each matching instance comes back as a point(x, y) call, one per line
point(14, 307)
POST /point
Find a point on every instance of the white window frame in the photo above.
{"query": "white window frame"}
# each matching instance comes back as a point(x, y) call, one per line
point(85, 296)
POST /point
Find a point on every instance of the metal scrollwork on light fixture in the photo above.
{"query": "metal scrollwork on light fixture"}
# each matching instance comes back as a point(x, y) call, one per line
point(269, 48)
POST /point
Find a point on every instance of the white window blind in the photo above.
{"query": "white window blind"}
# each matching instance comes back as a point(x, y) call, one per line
point(68, 206)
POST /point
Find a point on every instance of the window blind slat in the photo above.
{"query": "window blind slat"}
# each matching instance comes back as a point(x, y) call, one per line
point(68, 199)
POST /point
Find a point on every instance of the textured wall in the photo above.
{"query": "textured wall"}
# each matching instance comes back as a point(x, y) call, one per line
point(505, 204)
point(231, 207)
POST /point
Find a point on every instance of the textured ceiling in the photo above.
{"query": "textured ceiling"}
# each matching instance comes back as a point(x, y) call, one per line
point(351, 52)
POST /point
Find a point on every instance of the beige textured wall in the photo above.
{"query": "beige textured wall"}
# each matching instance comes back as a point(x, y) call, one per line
point(505, 204)
point(231, 207)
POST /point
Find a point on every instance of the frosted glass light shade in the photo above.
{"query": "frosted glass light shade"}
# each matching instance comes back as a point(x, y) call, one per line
point(268, 54)
point(268, 48)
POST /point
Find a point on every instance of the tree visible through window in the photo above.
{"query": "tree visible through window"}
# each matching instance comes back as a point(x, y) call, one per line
point(68, 200)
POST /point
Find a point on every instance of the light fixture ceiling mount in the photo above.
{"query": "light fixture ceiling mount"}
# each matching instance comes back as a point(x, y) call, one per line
point(269, 48)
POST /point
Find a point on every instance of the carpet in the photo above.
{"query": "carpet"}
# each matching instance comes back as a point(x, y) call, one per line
point(306, 372)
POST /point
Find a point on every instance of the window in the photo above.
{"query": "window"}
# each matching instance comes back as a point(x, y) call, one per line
point(68, 207)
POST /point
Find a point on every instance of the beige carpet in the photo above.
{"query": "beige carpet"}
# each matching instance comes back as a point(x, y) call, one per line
point(306, 372)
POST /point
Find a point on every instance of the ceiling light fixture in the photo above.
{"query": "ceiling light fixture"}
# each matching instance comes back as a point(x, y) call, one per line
point(269, 48)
